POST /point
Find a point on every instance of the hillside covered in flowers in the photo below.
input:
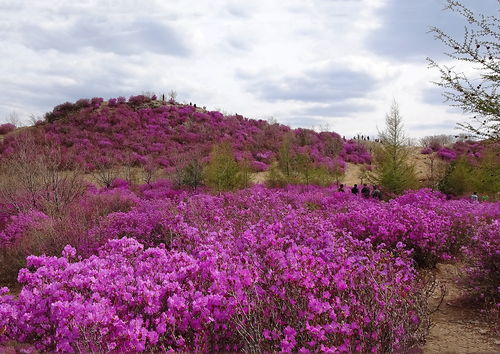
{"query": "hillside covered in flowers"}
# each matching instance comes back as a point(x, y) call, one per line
point(143, 131)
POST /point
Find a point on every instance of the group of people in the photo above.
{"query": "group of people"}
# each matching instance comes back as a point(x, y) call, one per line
point(475, 198)
point(365, 191)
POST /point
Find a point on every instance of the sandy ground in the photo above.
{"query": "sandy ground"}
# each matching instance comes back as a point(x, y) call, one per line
point(457, 329)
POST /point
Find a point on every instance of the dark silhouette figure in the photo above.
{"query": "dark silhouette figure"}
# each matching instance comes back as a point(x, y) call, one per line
point(341, 188)
point(355, 189)
point(377, 194)
point(365, 191)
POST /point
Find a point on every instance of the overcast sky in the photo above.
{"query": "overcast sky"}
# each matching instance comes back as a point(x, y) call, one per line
point(333, 64)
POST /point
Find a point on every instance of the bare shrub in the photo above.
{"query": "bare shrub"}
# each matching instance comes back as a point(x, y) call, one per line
point(436, 141)
point(35, 177)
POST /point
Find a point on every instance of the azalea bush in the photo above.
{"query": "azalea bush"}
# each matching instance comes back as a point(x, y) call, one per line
point(482, 275)
point(33, 232)
point(277, 295)
point(296, 269)
point(6, 128)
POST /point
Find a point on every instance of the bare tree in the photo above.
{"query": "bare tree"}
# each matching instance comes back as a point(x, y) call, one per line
point(435, 170)
point(172, 96)
point(480, 47)
point(13, 118)
point(38, 178)
point(436, 141)
point(104, 173)
point(34, 119)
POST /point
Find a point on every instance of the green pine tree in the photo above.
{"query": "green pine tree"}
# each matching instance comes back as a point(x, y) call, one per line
point(393, 170)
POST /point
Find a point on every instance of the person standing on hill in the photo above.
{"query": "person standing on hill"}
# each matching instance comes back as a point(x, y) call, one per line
point(365, 191)
point(377, 194)
point(341, 188)
point(355, 189)
point(474, 197)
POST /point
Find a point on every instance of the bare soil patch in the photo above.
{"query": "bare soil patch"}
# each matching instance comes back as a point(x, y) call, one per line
point(456, 328)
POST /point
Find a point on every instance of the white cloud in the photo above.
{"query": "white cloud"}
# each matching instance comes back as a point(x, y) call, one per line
point(302, 61)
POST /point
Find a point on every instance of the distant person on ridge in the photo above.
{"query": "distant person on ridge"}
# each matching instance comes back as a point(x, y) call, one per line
point(365, 191)
point(474, 197)
point(377, 194)
point(355, 189)
point(341, 188)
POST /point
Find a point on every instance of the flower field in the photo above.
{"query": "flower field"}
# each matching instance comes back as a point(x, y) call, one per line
point(299, 269)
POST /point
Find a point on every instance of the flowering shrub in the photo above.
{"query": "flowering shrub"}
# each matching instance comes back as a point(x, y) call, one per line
point(19, 225)
point(426, 151)
point(15, 244)
point(6, 128)
point(301, 268)
point(483, 273)
point(259, 166)
point(282, 296)
point(119, 183)
point(472, 150)
point(33, 232)
point(447, 154)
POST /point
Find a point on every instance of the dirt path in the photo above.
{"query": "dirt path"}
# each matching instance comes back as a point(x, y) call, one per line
point(457, 329)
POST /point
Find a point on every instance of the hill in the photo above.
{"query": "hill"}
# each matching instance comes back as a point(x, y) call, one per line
point(143, 131)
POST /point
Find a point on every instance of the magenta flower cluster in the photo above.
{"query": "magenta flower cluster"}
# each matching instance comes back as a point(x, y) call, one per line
point(19, 224)
point(472, 150)
point(6, 128)
point(331, 293)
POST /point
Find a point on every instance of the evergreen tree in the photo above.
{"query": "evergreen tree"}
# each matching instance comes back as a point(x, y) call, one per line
point(393, 170)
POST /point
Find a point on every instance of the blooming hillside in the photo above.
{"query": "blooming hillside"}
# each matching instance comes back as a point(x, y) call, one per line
point(144, 131)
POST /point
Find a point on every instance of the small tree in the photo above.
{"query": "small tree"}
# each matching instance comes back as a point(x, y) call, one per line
point(458, 178)
point(285, 155)
point(303, 167)
point(39, 178)
point(435, 168)
point(486, 176)
point(223, 172)
point(333, 144)
point(434, 142)
point(480, 47)
point(172, 97)
point(393, 170)
point(191, 175)
point(275, 178)
point(104, 172)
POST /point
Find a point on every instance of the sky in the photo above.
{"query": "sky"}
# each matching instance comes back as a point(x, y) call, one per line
point(332, 65)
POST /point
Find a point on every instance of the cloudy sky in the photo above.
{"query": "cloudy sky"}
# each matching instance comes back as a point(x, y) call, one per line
point(328, 64)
